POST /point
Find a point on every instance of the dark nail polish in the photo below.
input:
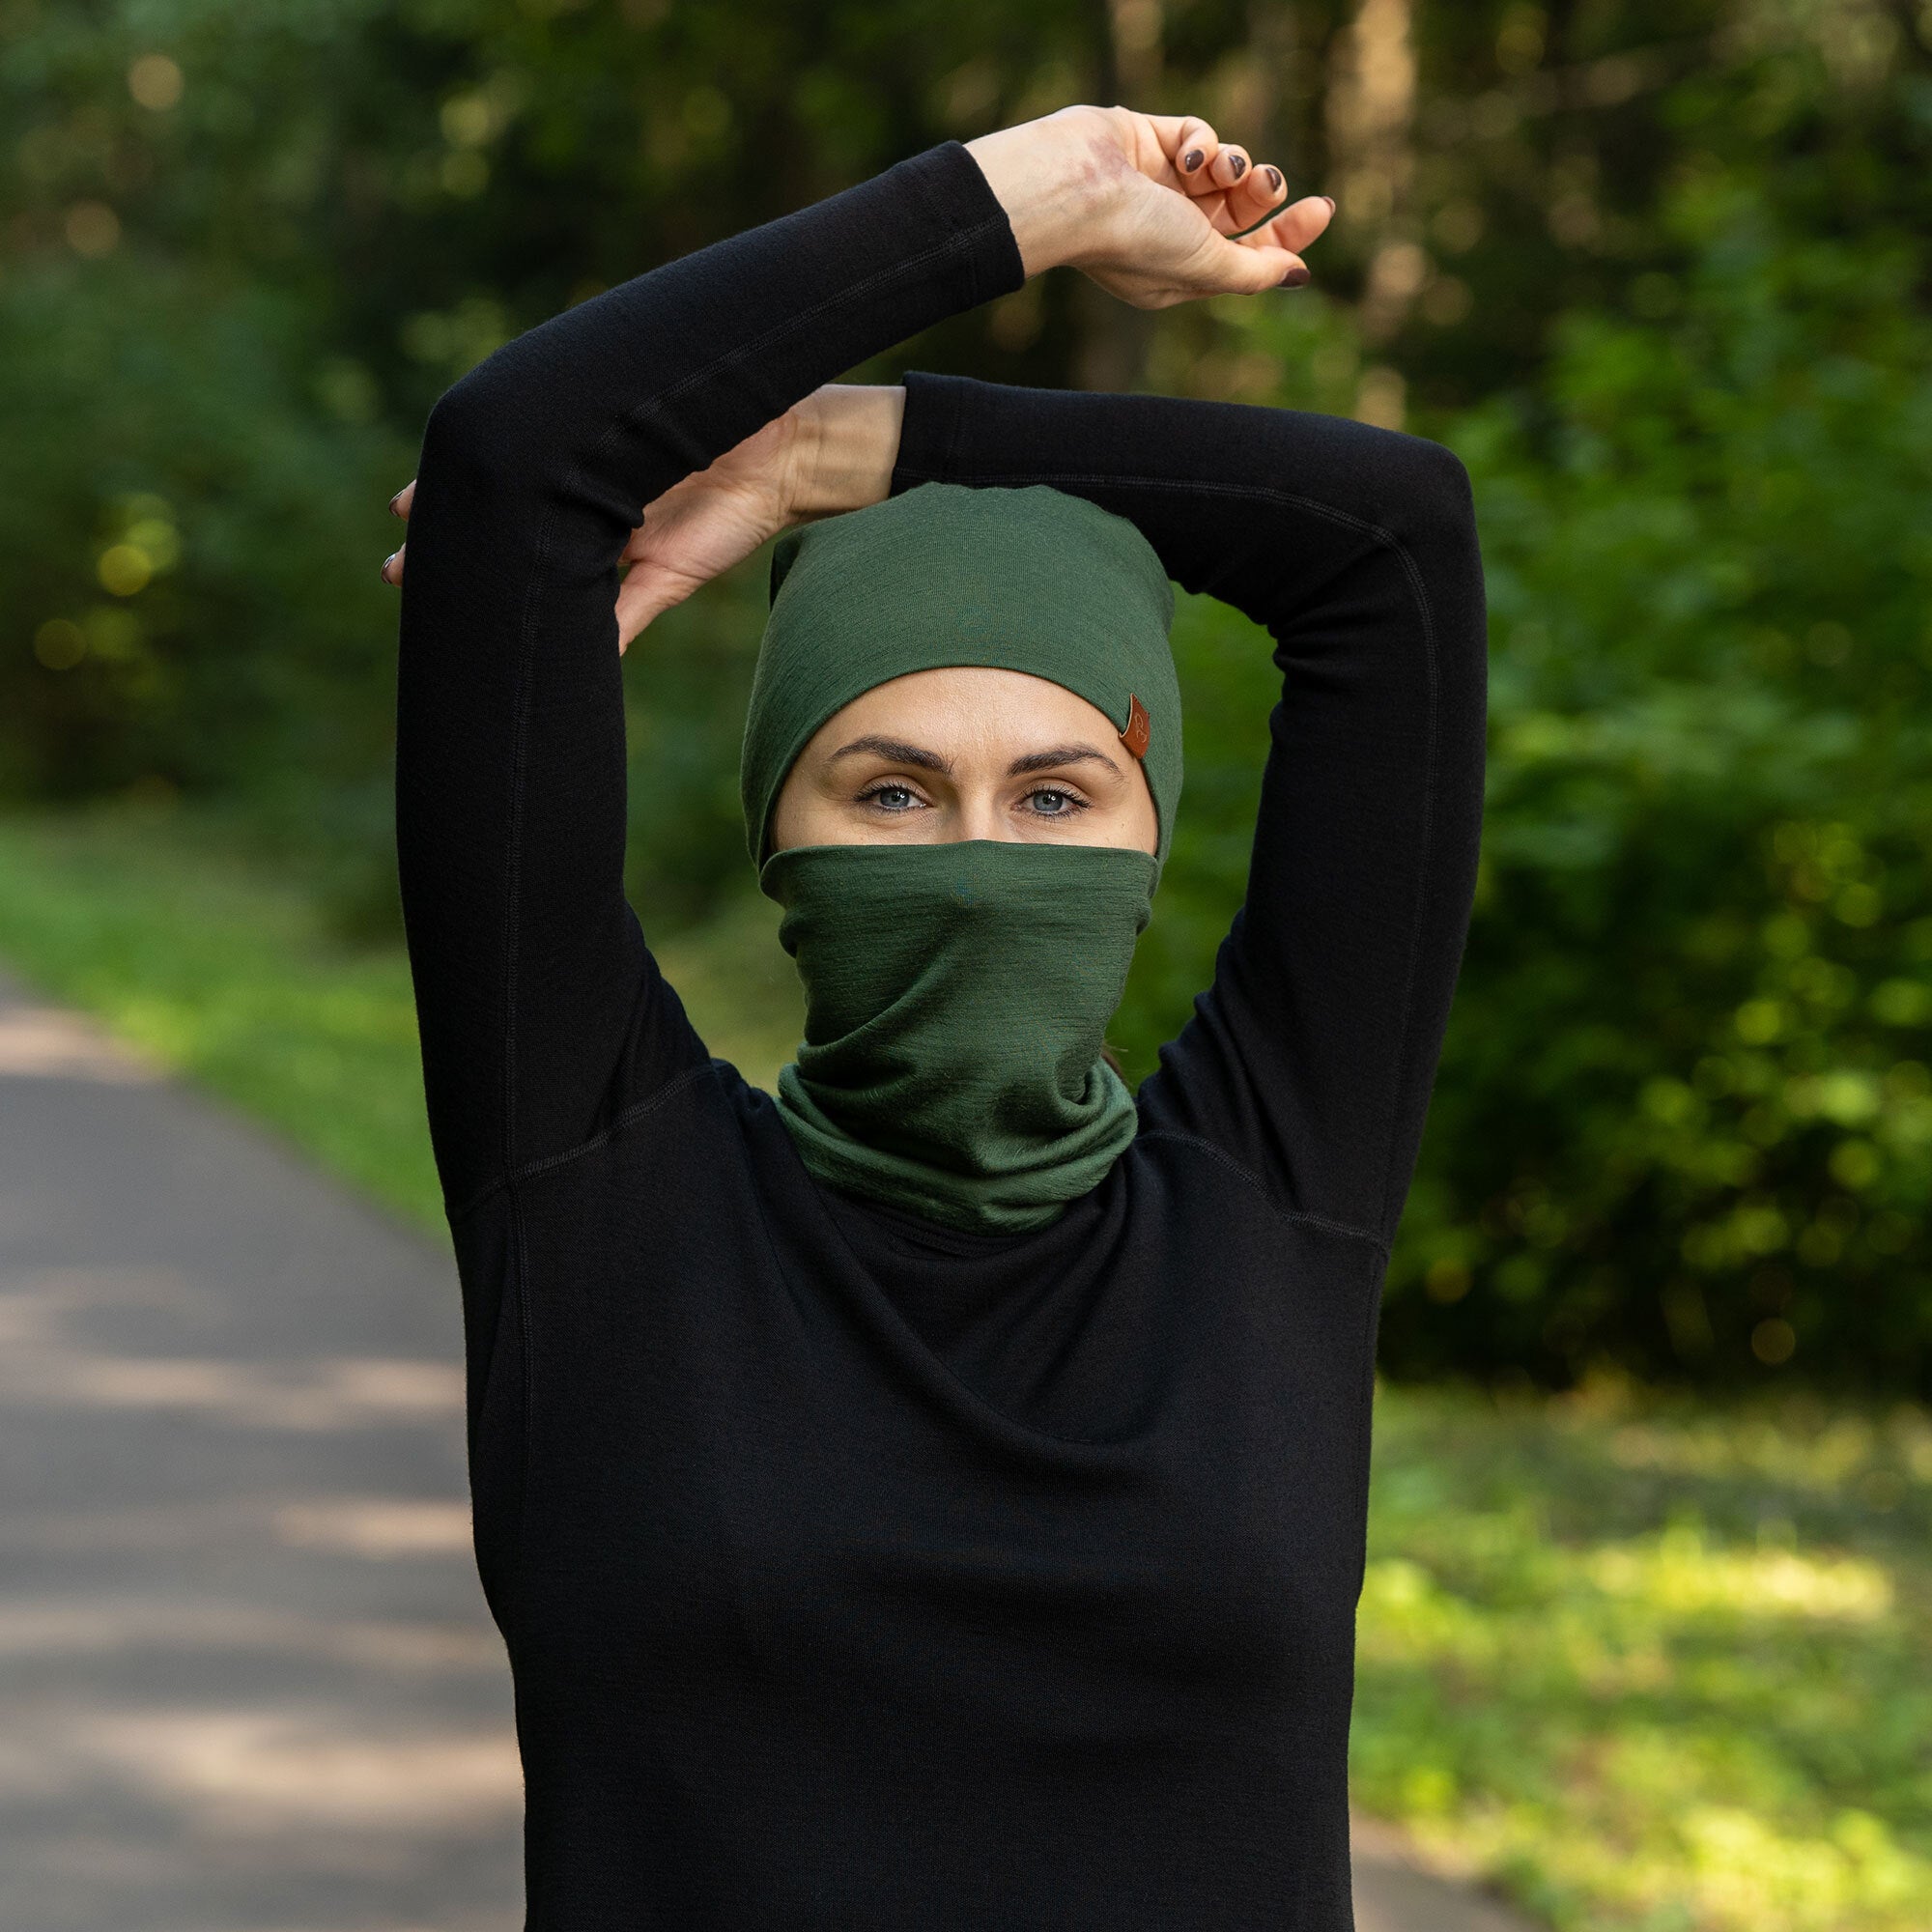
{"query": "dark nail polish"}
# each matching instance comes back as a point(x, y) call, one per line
point(1297, 277)
point(1190, 160)
point(1274, 179)
point(1239, 166)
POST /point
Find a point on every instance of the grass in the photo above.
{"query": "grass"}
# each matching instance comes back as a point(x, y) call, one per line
point(228, 973)
point(1651, 1664)
point(1641, 1665)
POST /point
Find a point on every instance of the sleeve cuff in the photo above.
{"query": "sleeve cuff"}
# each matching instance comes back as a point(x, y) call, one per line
point(929, 436)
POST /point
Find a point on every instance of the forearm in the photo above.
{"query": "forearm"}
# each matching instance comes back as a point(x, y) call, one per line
point(604, 407)
point(1230, 494)
point(1048, 178)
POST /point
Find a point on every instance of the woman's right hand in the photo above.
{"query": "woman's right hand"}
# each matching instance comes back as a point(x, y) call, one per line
point(832, 452)
point(698, 529)
point(1147, 205)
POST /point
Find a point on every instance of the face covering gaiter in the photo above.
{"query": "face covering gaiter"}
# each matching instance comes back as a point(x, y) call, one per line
point(958, 995)
point(956, 998)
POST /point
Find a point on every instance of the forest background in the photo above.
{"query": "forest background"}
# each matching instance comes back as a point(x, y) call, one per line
point(1658, 272)
point(1643, 1634)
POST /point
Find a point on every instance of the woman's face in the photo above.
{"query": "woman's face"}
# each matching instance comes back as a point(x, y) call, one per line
point(939, 755)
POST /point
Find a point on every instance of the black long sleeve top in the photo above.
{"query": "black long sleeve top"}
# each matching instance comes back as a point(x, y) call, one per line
point(856, 1574)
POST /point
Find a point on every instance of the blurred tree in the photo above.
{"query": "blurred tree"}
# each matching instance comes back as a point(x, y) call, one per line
point(1684, 1124)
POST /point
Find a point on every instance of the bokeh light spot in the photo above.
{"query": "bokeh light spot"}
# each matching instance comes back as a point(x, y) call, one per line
point(93, 229)
point(60, 644)
point(155, 82)
point(124, 569)
point(467, 121)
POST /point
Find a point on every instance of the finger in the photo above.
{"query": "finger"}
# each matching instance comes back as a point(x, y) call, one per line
point(399, 504)
point(393, 565)
point(648, 590)
point(1247, 267)
point(1259, 193)
point(1292, 227)
point(1190, 146)
point(1228, 166)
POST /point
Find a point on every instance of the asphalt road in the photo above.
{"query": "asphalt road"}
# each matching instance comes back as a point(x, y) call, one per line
point(248, 1683)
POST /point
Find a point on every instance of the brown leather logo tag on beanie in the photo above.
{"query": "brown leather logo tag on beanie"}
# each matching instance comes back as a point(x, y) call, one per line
point(1138, 730)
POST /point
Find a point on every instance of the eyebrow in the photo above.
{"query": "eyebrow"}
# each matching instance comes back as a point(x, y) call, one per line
point(1058, 755)
point(897, 750)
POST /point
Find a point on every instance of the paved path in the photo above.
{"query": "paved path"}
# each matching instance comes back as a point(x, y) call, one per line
point(248, 1683)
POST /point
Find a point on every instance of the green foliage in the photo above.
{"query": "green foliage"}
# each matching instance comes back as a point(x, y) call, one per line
point(1686, 1112)
point(1648, 1666)
point(174, 482)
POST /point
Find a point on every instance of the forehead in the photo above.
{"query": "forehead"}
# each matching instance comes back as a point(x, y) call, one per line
point(964, 707)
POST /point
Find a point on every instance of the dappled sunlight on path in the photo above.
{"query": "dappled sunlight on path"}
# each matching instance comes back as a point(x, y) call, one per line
point(247, 1682)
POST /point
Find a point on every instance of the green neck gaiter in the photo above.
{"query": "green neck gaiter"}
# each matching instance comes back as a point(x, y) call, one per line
point(956, 995)
point(956, 1000)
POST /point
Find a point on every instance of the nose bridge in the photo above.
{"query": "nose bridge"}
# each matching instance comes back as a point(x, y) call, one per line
point(979, 815)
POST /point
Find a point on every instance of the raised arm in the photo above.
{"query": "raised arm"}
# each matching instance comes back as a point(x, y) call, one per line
point(542, 1015)
point(1309, 1060)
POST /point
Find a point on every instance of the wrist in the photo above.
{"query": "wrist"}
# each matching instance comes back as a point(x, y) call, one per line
point(849, 443)
point(1052, 176)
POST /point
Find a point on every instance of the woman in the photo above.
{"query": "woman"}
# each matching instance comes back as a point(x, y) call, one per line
point(935, 1498)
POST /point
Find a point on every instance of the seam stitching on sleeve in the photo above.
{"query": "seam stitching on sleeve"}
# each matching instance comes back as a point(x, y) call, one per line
point(963, 241)
point(530, 1384)
point(1295, 1216)
point(629, 1117)
point(1388, 540)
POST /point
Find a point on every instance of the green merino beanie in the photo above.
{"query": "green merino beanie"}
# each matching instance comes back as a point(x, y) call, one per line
point(1029, 580)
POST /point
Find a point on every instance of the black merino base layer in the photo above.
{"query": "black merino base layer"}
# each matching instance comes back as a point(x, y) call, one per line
point(856, 1574)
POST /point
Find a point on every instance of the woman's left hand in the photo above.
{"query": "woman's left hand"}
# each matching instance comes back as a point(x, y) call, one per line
point(1156, 208)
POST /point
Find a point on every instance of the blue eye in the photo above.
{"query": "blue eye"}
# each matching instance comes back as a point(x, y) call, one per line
point(1051, 803)
point(889, 797)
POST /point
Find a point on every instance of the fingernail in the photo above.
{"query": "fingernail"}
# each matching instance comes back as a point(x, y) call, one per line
point(1190, 160)
point(1331, 200)
point(1297, 277)
point(1274, 179)
point(393, 501)
point(1239, 166)
point(386, 562)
